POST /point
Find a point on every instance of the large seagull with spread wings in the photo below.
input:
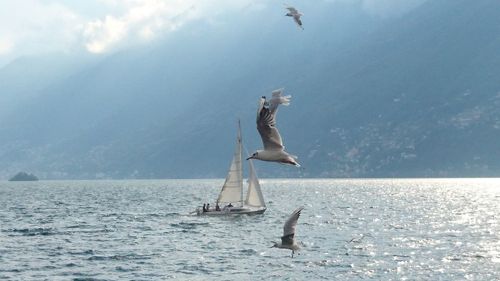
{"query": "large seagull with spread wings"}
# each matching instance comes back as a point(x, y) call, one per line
point(274, 151)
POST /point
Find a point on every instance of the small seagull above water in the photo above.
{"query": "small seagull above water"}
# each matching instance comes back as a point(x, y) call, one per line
point(295, 15)
point(274, 151)
point(287, 240)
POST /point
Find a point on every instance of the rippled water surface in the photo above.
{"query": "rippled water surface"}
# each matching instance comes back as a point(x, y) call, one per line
point(440, 229)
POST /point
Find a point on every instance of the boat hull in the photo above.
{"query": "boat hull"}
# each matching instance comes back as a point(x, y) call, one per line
point(232, 211)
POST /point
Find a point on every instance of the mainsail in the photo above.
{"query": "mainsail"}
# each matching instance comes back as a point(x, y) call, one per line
point(254, 194)
point(232, 190)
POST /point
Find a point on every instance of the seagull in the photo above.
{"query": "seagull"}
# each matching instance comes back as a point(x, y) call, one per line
point(287, 240)
point(295, 14)
point(266, 125)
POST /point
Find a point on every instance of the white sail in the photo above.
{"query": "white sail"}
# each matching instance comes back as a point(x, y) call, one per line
point(232, 190)
point(254, 194)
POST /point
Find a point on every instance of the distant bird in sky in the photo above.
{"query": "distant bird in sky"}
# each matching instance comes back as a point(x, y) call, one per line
point(295, 15)
point(274, 151)
point(288, 238)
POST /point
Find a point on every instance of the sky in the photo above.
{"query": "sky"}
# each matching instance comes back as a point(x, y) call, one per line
point(31, 27)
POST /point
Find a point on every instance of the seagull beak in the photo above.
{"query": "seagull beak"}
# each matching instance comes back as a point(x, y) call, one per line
point(251, 157)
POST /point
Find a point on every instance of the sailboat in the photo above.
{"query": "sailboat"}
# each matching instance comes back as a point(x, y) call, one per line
point(232, 195)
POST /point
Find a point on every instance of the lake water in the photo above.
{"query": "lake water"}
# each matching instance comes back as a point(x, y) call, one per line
point(384, 229)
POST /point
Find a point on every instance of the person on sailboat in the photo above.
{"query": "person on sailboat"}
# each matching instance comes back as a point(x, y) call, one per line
point(230, 205)
point(204, 207)
point(217, 208)
point(208, 207)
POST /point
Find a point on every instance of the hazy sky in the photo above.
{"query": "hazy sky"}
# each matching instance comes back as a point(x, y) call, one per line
point(98, 26)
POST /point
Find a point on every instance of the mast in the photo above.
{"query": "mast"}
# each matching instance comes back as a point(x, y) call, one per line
point(240, 145)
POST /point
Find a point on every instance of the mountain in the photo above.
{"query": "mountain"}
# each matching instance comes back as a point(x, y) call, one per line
point(26, 77)
point(408, 96)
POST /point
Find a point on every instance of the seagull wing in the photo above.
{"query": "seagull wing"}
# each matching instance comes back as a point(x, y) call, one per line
point(287, 239)
point(296, 18)
point(292, 10)
point(289, 227)
point(266, 125)
point(277, 98)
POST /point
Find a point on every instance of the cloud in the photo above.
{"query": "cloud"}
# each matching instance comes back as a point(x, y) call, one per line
point(101, 34)
point(144, 20)
point(29, 26)
point(33, 26)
